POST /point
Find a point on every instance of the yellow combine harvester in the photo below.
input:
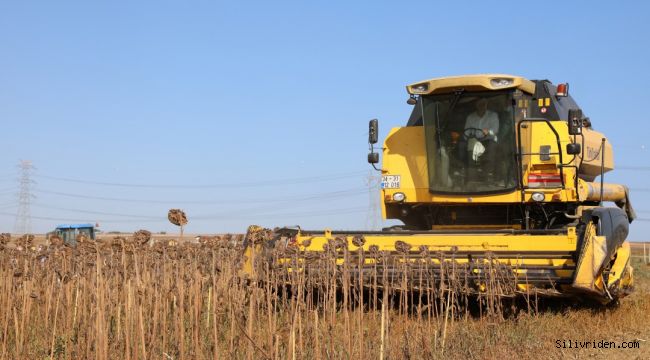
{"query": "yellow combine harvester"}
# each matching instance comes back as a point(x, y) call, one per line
point(492, 173)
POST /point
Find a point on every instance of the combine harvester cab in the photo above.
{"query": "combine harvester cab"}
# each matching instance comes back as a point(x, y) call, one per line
point(494, 178)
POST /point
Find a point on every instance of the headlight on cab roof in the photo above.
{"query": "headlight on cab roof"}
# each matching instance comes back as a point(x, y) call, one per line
point(420, 88)
point(501, 82)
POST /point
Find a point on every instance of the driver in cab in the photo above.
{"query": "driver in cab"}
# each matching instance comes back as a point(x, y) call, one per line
point(480, 135)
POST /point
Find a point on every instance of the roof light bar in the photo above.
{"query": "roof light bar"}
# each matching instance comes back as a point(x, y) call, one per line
point(501, 82)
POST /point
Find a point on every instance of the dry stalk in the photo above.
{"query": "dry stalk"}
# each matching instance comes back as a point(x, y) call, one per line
point(121, 299)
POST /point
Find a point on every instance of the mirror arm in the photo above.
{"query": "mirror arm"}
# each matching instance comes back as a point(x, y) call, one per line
point(372, 151)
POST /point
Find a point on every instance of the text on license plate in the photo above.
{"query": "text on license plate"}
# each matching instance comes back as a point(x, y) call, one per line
point(390, 182)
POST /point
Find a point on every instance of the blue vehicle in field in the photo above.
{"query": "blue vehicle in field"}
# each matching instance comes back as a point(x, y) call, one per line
point(69, 232)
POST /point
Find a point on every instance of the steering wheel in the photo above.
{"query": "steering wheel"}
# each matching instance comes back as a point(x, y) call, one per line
point(475, 133)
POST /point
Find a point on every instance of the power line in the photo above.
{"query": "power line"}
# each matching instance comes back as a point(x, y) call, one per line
point(315, 196)
point(226, 213)
point(95, 212)
point(163, 219)
point(274, 182)
point(84, 220)
point(324, 212)
point(638, 168)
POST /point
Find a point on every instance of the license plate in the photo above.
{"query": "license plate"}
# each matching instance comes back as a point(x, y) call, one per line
point(390, 182)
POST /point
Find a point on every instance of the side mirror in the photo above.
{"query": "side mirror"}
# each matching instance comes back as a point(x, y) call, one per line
point(575, 122)
point(373, 158)
point(573, 149)
point(373, 127)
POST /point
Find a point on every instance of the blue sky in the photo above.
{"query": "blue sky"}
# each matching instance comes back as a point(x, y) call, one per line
point(276, 96)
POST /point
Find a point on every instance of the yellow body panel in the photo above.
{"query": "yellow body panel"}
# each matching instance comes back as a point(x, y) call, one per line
point(537, 262)
point(621, 271)
point(593, 253)
point(594, 264)
point(404, 154)
point(451, 242)
point(592, 154)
